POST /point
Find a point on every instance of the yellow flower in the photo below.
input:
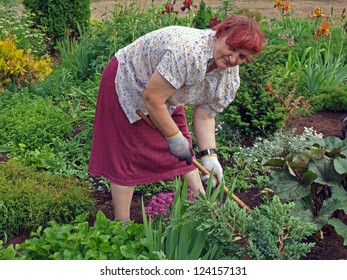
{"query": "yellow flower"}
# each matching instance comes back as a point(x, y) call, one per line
point(278, 3)
point(318, 13)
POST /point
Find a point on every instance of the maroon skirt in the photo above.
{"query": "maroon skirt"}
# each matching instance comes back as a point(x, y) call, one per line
point(130, 154)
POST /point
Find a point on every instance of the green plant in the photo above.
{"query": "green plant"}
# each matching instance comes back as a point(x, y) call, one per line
point(32, 126)
point(20, 26)
point(254, 112)
point(105, 240)
point(178, 239)
point(226, 8)
point(268, 232)
point(330, 97)
point(75, 55)
point(202, 16)
point(59, 17)
point(29, 199)
point(314, 180)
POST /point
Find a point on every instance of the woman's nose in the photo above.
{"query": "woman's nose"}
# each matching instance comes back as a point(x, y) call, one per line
point(232, 59)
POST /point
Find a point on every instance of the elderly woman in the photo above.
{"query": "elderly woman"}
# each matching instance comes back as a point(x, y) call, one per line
point(158, 74)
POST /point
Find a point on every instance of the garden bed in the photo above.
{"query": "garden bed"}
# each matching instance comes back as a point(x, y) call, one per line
point(329, 247)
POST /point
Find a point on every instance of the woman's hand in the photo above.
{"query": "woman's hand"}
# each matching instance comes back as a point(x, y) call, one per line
point(211, 163)
point(179, 146)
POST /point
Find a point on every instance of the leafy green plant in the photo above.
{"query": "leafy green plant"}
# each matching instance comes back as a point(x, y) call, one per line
point(32, 126)
point(314, 180)
point(105, 240)
point(76, 56)
point(29, 199)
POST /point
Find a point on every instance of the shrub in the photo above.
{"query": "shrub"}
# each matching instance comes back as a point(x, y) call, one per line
point(32, 121)
point(268, 232)
point(254, 112)
point(203, 16)
point(29, 199)
point(20, 67)
point(330, 98)
point(59, 17)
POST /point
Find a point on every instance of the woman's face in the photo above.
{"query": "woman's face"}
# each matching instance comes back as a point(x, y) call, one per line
point(226, 55)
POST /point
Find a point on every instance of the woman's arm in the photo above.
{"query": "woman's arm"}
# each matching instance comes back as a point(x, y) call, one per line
point(204, 128)
point(157, 91)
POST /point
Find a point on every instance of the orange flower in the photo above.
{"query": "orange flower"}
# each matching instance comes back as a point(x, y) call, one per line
point(318, 13)
point(278, 3)
point(285, 6)
point(323, 29)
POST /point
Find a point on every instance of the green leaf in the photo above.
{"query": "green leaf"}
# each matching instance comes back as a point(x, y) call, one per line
point(340, 228)
point(308, 178)
point(199, 243)
point(325, 170)
point(340, 165)
point(333, 144)
point(81, 218)
point(288, 187)
point(6, 149)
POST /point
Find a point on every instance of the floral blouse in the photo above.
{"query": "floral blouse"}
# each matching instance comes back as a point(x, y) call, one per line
point(181, 55)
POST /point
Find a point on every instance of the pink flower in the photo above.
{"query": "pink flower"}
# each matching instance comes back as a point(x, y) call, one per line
point(160, 203)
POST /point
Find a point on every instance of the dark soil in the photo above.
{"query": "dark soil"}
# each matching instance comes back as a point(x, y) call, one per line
point(329, 245)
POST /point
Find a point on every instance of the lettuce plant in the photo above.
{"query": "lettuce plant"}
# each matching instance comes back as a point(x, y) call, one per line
point(105, 240)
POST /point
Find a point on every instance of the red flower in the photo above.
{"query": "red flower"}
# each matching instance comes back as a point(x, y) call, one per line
point(169, 8)
point(214, 21)
point(187, 4)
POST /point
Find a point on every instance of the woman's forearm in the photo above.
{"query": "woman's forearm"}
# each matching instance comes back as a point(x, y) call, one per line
point(157, 91)
point(204, 128)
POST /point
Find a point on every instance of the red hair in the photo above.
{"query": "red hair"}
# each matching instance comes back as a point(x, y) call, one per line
point(243, 33)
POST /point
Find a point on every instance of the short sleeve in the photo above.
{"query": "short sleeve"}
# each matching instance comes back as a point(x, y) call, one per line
point(225, 93)
point(181, 68)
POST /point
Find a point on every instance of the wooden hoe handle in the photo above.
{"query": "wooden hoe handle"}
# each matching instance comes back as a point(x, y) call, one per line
point(202, 169)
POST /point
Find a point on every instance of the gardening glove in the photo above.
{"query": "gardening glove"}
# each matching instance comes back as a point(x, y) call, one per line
point(211, 163)
point(179, 147)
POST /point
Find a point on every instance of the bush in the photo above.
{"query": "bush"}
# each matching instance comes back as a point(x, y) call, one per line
point(255, 112)
point(330, 98)
point(20, 67)
point(268, 232)
point(30, 199)
point(31, 121)
point(59, 17)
